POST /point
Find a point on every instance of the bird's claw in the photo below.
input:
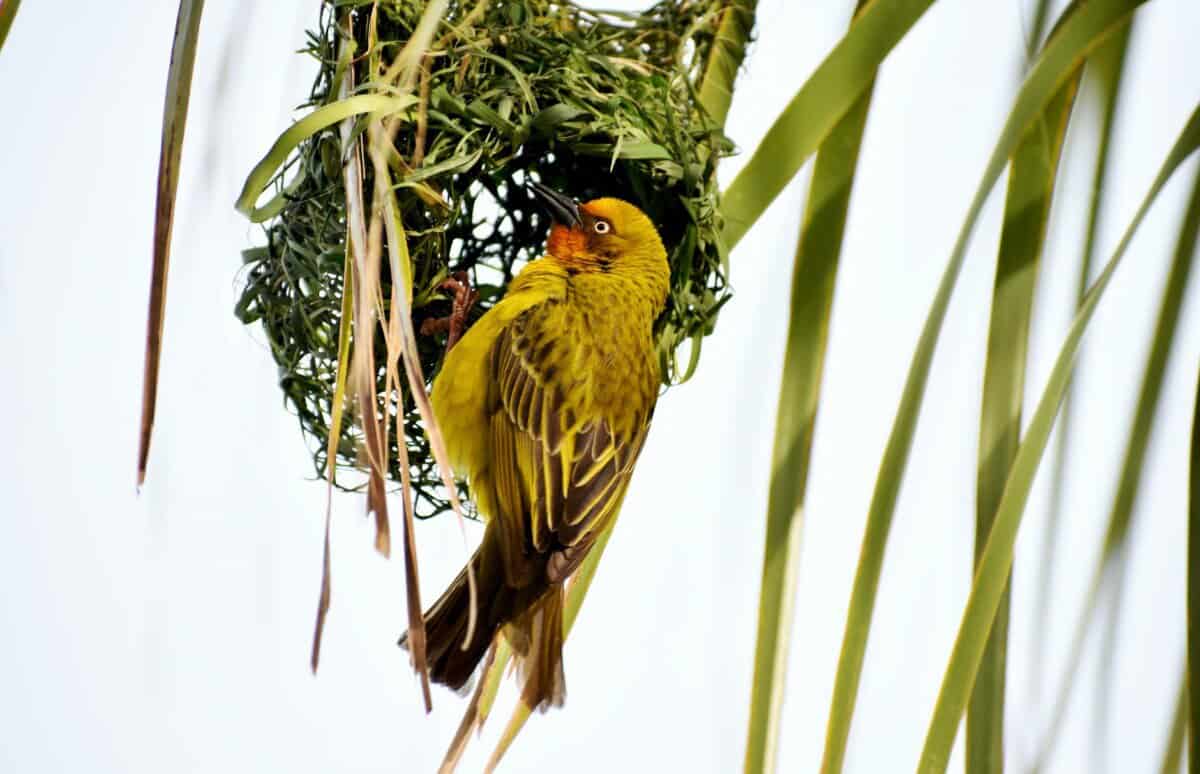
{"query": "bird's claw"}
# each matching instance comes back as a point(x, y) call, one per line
point(463, 298)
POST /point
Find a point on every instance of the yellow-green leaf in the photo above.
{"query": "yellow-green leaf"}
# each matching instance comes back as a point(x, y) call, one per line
point(1193, 592)
point(817, 107)
point(728, 51)
point(1104, 70)
point(1173, 753)
point(814, 273)
point(992, 573)
point(8, 12)
point(1026, 211)
point(1110, 567)
point(321, 118)
point(1060, 58)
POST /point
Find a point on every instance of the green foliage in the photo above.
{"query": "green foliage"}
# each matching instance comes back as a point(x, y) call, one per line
point(1113, 552)
point(994, 564)
point(817, 107)
point(814, 273)
point(1031, 179)
point(1104, 72)
point(590, 103)
point(8, 12)
point(633, 105)
point(1192, 673)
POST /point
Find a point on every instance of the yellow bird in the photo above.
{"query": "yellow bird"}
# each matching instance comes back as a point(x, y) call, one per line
point(544, 404)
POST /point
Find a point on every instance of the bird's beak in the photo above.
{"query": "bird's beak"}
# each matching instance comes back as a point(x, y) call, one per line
point(563, 208)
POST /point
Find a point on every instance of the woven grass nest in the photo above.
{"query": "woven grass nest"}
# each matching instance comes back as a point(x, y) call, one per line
point(589, 103)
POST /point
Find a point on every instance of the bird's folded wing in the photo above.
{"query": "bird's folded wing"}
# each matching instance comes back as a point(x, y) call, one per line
point(560, 474)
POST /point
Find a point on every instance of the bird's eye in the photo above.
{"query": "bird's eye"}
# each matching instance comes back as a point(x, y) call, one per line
point(601, 227)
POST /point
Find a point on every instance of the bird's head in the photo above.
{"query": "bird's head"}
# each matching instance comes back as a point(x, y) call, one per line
point(607, 236)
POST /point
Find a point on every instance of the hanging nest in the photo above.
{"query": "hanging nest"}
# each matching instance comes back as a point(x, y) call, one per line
point(589, 103)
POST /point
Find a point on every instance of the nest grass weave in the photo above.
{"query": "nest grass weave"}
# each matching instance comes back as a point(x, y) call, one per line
point(589, 103)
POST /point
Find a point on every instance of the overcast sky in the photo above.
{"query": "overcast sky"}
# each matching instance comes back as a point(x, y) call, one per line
point(170, 631)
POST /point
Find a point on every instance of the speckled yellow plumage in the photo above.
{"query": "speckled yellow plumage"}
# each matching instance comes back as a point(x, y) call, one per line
point(544, 405)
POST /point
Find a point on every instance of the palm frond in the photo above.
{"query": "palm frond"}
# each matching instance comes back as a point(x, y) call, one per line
point(991, 575)
point(1031, 182)
point(8, 12)
point(825, 97)
point(1110, 570)
point(814, 274)
point(1104, 71)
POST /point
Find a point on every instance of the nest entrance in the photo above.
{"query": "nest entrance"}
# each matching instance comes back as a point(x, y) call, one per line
point(589, 103)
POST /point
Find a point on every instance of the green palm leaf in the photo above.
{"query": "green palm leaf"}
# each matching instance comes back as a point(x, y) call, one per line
point(1173, 753)
point(1193, 593)
point(1060, 59)
point(817, 107)
point(716, 89)
point(991, 576)
point(8, 12)
point(1104, 68)
point(814, 274)
point(1026, 212)
point(1110, 567)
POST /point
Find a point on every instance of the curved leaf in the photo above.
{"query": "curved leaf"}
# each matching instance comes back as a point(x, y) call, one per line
point(323, 117)
point(814, 274)
point(1104, 68)
point(1026, 212)
point(992, 573)
point(8, 12)
point(817, 107)
point(1193, 592)
point(1110, 569)
point(1061, 57)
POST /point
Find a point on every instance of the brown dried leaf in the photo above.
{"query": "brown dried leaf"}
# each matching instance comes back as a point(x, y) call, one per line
point(179, 89)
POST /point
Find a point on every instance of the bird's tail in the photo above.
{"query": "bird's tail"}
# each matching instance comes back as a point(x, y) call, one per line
point(531, 618)
point(536, 636)
point(452, 658)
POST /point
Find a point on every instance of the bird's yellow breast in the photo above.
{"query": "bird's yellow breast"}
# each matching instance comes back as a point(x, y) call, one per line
point(591, 334)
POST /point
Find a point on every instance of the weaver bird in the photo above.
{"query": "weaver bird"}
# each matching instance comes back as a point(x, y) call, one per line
point(544, 404)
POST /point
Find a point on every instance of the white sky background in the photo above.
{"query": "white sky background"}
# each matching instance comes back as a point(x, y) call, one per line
point(170, 631)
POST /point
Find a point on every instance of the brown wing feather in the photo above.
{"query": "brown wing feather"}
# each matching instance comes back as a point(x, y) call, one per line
point(571, 473)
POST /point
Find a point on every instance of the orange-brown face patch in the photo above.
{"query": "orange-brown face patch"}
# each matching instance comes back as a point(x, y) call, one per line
point(565, 243)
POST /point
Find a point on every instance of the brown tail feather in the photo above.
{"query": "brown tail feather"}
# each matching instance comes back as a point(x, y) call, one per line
point(532, 621)
point(452, 663)
point(537, 639)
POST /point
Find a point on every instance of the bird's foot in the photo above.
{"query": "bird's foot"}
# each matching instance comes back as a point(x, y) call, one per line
point(453, 324)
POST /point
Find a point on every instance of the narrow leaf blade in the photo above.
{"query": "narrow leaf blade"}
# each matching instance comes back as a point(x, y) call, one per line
point(997, 557)
point(1058, 61)
point(335, 433)
point(1104, 68)
point(811, 115)
point(1193, 593)
point(8, 12)
point(1173, 753)
point(321, 118)
point(728, 51)
point(175, 107)
point(1110, 569)
point(1026, 212)
point(814, 275)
